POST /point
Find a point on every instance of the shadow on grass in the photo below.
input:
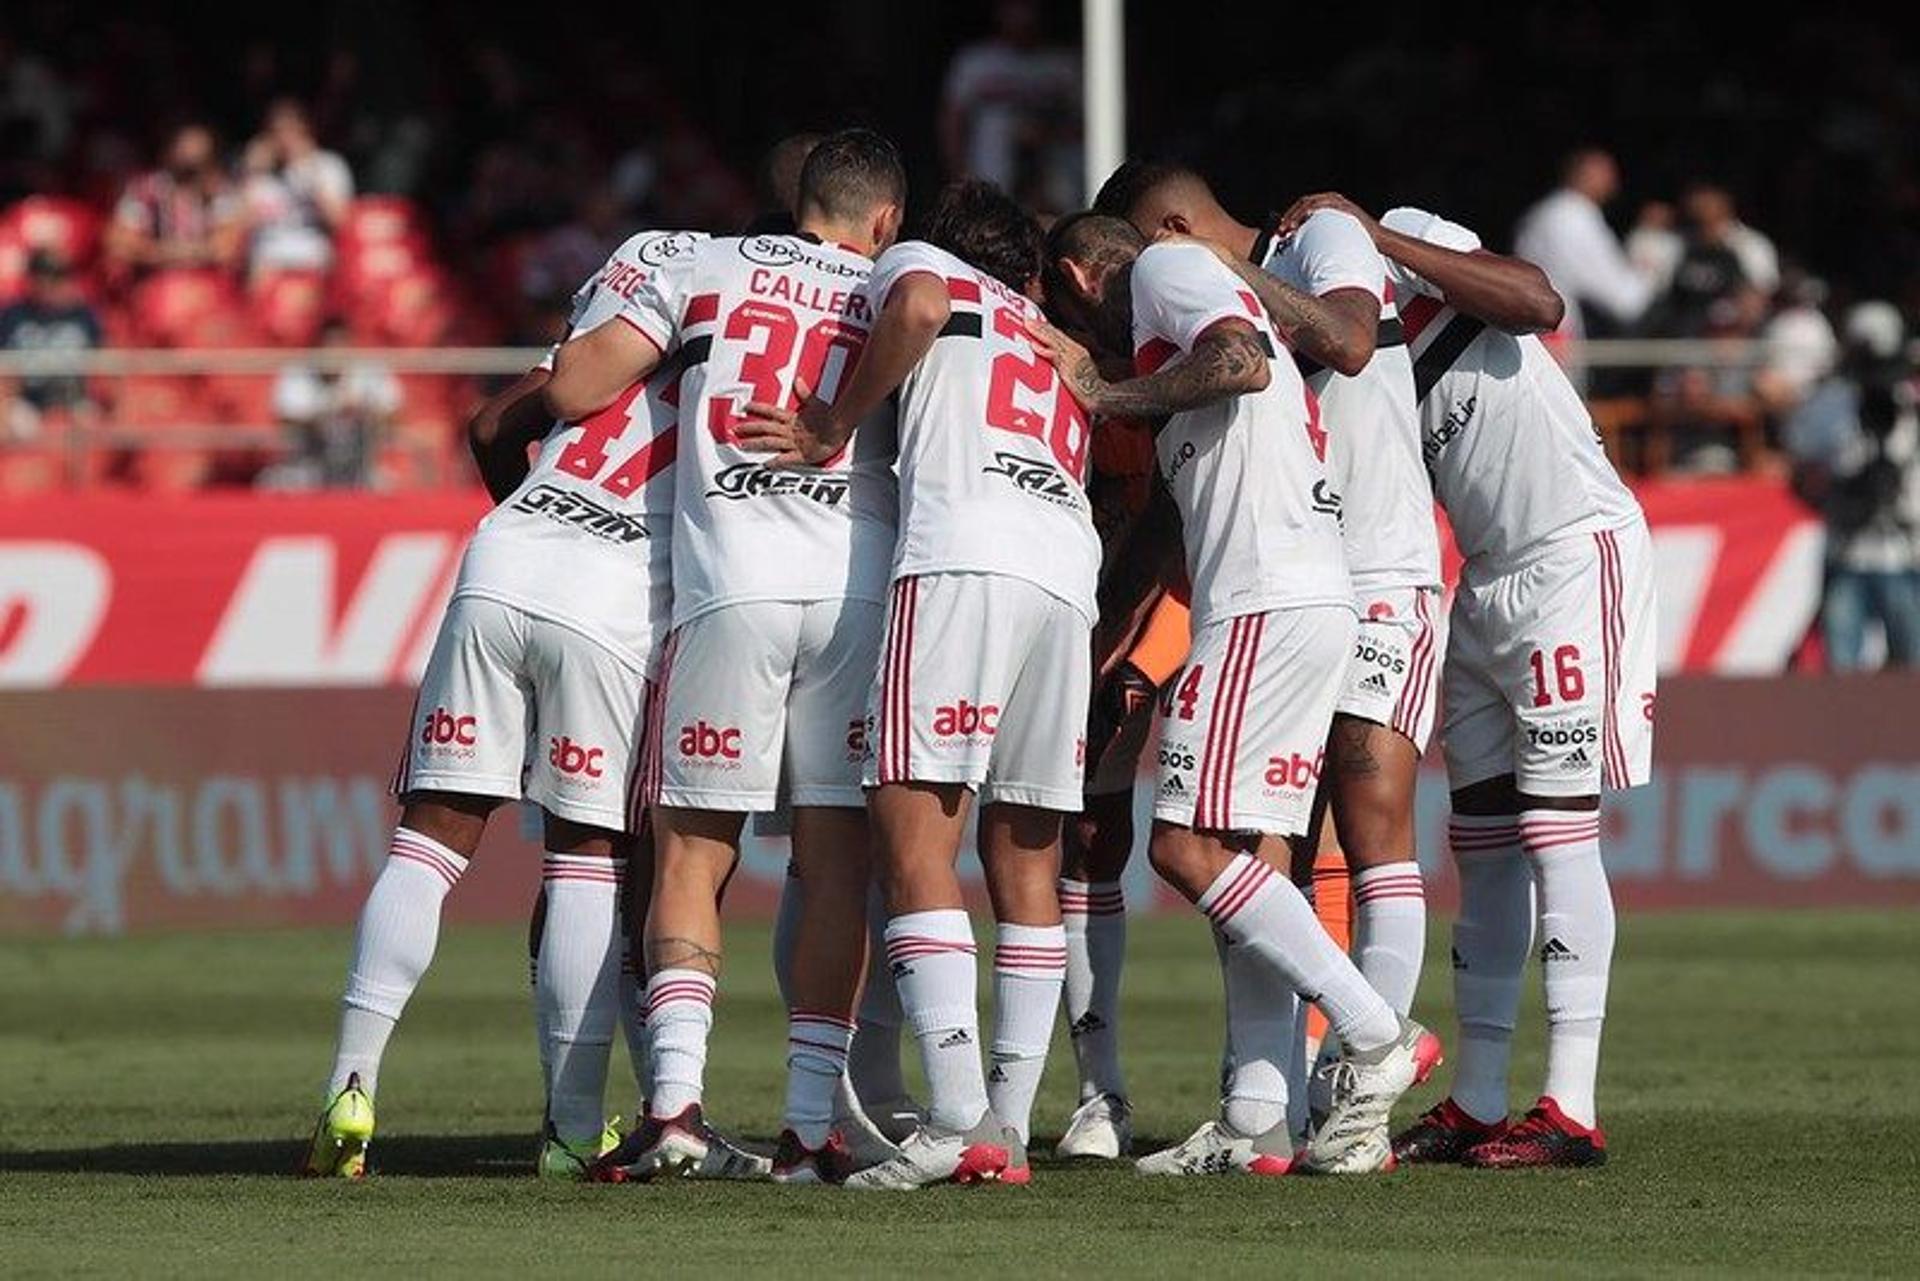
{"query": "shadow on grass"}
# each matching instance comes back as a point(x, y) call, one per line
point(482, 1156)
point(426, 1156)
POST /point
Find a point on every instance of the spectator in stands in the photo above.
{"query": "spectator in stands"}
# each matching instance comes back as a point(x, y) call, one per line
point(561, 257)
point(296, 194)
point(1655, 244)
point(334, 419)
point(1714, 271)
point(54, 316)
point(1708, 205)
point(1566, 235)
point(182, 215)
point(1010, 111)
point(1801, 347)
point(1856, 449)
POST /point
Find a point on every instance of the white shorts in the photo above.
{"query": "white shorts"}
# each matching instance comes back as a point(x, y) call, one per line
point(762, 702)
point(513, 705)
point(1551, 669)
point(1394, 678)
point(984, 681)
point(1243, 727)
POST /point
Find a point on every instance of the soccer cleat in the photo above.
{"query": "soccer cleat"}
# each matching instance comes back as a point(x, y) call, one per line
point(896, 1119)
point(564, 1159)
point(341, 1135)
point(795, 1162)
point(1101, 1129)
point(1353, 1139)
point(1218, 1148)
point(862, 1139)
point(1442, 1134)
point(933, 1154)
point(683, 1145)
point(1545, 1136)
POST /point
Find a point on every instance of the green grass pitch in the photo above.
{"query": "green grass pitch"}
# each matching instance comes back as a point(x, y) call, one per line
point(1761, 1091)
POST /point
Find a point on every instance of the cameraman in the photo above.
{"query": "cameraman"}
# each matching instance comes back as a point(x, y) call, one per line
point(1855, 442)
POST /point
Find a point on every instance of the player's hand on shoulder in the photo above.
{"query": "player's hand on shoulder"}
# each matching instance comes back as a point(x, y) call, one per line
point(1307, 206)
point(1076, 364)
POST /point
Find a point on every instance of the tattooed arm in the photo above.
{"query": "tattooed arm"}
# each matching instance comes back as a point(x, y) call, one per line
point(1338, 329)
point(1227, 360)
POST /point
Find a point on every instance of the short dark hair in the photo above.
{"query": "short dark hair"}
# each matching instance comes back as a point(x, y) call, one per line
point(982, 225)
point(1130, 184)
point(850, 172)
point(1092, 239)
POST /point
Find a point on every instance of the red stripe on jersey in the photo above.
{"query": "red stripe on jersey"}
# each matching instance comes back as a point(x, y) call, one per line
point(702, 308)
point(963, 290)
point(1252, 304)
point(1418, 314)
point(1152, 354)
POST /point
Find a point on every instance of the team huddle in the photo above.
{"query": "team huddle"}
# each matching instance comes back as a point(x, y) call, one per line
point(867, 538)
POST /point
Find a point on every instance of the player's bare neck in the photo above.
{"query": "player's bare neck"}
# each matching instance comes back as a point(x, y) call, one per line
point(846, 235)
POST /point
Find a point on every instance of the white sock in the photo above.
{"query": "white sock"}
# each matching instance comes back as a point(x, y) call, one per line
point(679, 1016)
point(873, 1063)
point(399, 926)
point(1095, 916)
point(1298, 1069)
point(1576, 949)
point(1260, 1010)
point(932, 958)
point(1390, 929)
point(1267, 914)
point(786, 933)
point(1029, 967)
point(816, 1064)
point(578, 988)
point(1491, 938)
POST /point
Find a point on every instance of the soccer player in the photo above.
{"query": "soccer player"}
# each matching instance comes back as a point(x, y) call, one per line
point(984, 680)
point(535, 688)
point(1549, 679)
point(1273, 627)
point(1348, 344)
point(779, 579)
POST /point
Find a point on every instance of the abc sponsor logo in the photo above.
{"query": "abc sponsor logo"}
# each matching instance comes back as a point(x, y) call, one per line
point(966, 720)
point(444, 733)
point(710, 746)
point(573, 759)
point(1293, 772)
point(859, 736)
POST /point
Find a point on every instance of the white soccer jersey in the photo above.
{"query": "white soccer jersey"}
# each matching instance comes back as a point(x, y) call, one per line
point(1373, 428)
point(586, 540)
point(1513, 453)
point(1259, 516)
point(749, 318)
point(993, 448)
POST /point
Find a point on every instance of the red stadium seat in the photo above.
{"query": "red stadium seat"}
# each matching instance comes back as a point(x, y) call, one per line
point(69, 227)
point(169, 307)
point(289, 307)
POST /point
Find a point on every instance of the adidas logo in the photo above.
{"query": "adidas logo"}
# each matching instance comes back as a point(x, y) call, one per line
point(1088, 1022)
point(1459, 963)
point(958, 1037)
point(997, 1077)
point(1377, 683)
point(1174, 783)
point(1555, 950)
point(900, 969)
point(1578, 760)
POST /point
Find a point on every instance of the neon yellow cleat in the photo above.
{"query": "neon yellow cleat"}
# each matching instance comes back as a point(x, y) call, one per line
point(560, 1159)
point(341, 1136)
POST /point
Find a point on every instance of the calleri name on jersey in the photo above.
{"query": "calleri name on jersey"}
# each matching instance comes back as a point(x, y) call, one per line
point(750, 319)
